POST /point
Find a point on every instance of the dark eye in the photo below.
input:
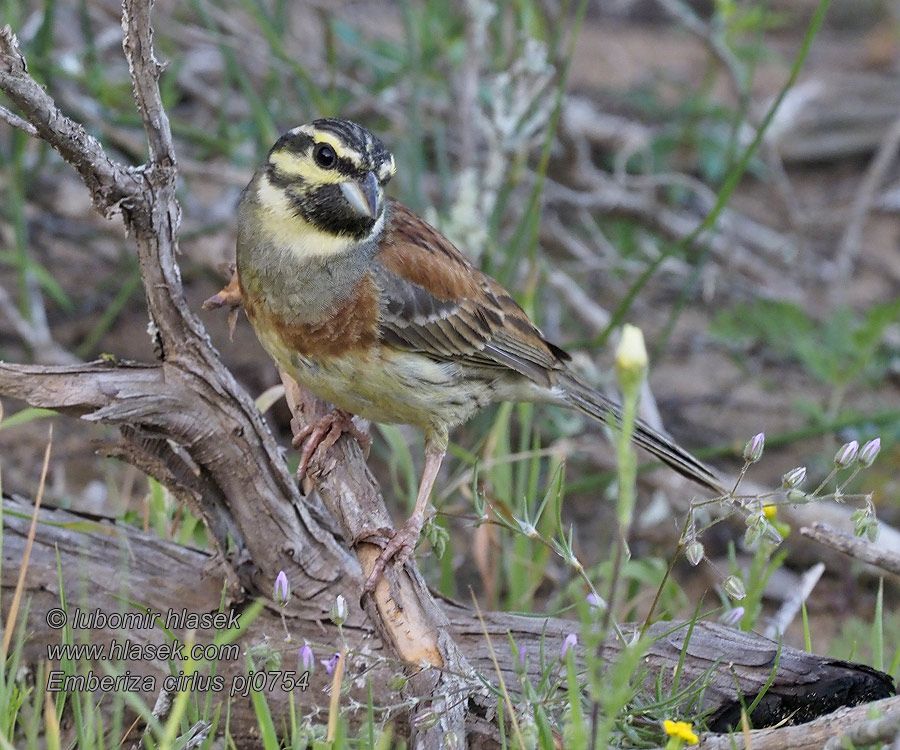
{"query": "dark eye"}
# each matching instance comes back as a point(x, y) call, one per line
point(324, 155)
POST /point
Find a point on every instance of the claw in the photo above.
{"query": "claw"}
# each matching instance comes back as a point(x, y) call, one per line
point(230, 295)
point(323, 434)
point(399, 549)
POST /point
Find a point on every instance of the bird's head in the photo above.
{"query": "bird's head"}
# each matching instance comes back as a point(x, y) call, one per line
point(327, 176)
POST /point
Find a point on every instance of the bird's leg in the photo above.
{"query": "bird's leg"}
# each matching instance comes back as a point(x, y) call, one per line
point(322, 434)
point(403, 543)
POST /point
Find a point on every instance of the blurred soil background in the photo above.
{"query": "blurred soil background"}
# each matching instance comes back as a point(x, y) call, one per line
point(783, 320)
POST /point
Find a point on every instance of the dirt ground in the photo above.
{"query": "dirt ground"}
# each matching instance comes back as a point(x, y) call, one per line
point(709, 394)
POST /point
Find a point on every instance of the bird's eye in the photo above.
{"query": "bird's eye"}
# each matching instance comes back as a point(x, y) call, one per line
point(324, 156)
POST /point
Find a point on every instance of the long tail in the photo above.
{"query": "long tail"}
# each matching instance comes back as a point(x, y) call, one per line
point(585, 399)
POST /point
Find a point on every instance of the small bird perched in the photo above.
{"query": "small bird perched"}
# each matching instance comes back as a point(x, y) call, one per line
point(371, 308)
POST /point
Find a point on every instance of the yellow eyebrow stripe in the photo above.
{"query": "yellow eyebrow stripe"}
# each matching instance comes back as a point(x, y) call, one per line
point(339, 146)
point(320, 136)
point(304, 167)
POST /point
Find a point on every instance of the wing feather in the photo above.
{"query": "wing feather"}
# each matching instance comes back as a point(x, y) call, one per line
point(435, 302)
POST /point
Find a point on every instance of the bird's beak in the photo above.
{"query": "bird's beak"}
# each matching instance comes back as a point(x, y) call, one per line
point(364, 196)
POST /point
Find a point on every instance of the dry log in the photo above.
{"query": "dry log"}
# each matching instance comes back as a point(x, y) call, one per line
point(104, 565)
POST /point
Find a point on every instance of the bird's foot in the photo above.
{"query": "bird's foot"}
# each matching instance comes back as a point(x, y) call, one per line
point(399, 549)
point(324, 433)
point(229, 296)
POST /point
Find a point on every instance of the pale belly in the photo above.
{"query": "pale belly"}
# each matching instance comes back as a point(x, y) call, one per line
point(394, 387)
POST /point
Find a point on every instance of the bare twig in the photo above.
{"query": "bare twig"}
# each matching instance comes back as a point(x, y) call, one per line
point(17, 122)
point(712, 39)
point(849, 248)
point(856, 547)
point(110, 183)
point(791, 606)
point(36, 337)
point(145, 70)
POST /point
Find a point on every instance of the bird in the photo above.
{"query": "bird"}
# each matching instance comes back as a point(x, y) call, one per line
point(371, 308)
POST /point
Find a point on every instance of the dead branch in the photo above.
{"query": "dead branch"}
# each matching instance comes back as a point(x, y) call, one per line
point(828, 732)
point(854, 546)
point(849, 247)
point(224, 462)
point(183, 401)
point(125, 564)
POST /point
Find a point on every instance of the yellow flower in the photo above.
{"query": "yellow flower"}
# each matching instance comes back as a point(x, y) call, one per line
point(770, 511)
point(682, 730)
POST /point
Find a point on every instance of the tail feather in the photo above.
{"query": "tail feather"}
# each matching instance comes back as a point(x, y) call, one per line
point(585, 399)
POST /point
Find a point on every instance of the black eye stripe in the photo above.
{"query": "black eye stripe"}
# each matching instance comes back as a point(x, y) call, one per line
point(367, 151)
point(344, 166)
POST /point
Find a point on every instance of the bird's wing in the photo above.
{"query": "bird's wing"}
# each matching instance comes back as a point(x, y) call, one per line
point(435, 302)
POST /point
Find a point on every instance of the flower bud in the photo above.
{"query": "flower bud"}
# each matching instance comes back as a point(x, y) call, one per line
point(694, 553)
point(631, 357)
point(734, 587)
point(794, 478)
point(869, 452)
point(340, 610)
point(753, 533)
point(263, 656)
point(569, 643)
point(754, 449)
point(425, 719)
point(306, 658)
point(872, 530)
point(846, 454)
point(282, 590)
point(521, 662)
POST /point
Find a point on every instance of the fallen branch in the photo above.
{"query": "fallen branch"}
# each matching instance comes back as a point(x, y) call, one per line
point(854, 546)
point(126, 565)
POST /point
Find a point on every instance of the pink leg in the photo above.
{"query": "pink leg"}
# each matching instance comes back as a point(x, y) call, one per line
point(401, 547)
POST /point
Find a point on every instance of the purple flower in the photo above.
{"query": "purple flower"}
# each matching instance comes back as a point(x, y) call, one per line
point(595, 602)
point(569, 643)
point(282, 592)
point(732, 617)
point(331, 663)
point(754, 449)
point(869, 452)
point(307, 659)
point(846, 454)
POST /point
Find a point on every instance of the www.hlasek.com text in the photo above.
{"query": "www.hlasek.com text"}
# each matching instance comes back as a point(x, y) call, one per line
point(129, 650)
